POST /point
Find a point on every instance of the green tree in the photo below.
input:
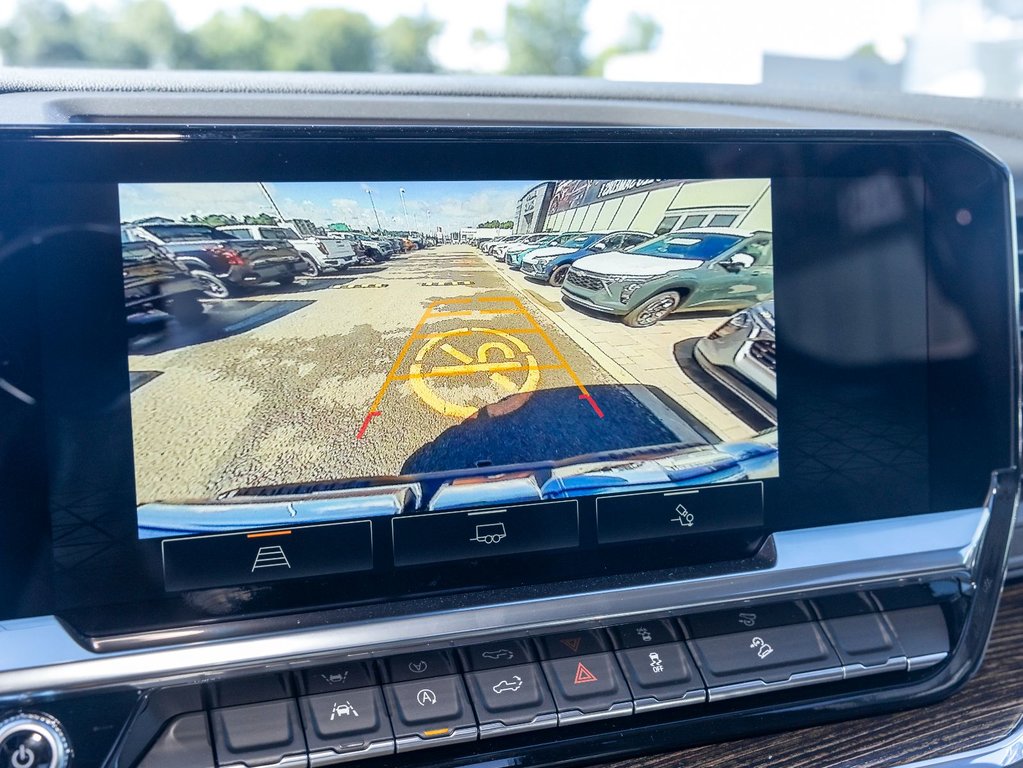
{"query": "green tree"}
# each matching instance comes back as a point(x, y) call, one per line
point(262, 219)
point(545, 37)
point(42, 32)
point(642, 34)
point(231, 41)
point(404, 44)
point(324, 40)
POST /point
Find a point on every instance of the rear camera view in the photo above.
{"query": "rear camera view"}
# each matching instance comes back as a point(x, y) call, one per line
point(321, 352)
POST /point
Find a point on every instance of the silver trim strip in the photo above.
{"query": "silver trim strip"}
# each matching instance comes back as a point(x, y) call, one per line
point(413, 743)
point(491, 729)
point(650, 704)
point(320, 757)
point(39, 655)
point(798, 679)
point(574, 716)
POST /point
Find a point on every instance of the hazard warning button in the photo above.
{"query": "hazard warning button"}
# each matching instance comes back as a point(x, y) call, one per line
point(588, 687)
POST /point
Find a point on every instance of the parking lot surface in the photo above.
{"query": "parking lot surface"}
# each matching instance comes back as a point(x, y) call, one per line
point(430, 361)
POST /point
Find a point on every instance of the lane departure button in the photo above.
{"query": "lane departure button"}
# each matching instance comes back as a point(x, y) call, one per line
point(348, 725)
point(588, 687)
point(428, 711)
point(511, 699)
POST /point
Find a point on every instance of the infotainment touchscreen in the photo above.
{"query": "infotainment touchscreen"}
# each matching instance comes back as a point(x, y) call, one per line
point(264, 369)
point(375, 347)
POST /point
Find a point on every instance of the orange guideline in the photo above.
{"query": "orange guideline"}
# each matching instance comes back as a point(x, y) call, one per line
point(517, 309)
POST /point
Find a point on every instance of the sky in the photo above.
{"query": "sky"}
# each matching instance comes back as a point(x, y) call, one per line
point(448, 204)
point(702, 40)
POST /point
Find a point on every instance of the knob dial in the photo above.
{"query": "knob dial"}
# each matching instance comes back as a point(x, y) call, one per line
point(30, 740)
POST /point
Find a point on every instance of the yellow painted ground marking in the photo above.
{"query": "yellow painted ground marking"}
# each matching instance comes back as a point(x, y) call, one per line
point(496, 357)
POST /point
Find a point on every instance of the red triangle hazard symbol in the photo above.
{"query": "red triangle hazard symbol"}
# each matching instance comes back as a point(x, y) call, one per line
point(572, 643)
point(583, 675)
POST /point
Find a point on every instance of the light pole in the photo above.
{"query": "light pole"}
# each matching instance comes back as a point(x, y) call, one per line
point(401, 193)
point(374, 206)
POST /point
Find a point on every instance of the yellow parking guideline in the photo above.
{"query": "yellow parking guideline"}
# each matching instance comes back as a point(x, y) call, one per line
point(467, 364)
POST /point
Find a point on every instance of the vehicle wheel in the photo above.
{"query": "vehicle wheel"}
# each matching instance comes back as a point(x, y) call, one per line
point(312, 269)
point(652, 310)
point(213, 286)
point(558, 276)
point(187, 310)
point(286, 279)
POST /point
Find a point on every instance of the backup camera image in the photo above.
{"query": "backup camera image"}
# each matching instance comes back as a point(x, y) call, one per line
point(320, 352)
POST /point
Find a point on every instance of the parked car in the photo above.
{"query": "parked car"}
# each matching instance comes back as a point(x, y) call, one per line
point(502, 248)
point(551, 263)
point(513, 253)
point(488, 246)
point(706, 269)
point(376, 250)
point(319, 254)
point(223, 263)
point(741, 355)
point(154, 281)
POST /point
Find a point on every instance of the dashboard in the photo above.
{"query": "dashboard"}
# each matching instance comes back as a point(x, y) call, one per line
point(349, 420)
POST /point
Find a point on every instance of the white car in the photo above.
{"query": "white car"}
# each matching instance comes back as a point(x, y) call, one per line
point(318, 253)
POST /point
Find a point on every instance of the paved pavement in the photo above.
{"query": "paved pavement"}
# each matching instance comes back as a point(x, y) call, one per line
point(431, 361)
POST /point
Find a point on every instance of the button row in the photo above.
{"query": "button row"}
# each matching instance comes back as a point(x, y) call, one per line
point(292, 551)
point(354, 710)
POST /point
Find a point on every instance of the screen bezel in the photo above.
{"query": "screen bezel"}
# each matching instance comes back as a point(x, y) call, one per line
point(956, 176)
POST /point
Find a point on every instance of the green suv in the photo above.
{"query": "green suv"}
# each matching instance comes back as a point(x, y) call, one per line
point(705, 269)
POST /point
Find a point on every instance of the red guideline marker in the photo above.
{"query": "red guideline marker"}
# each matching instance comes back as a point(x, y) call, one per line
point(593, 403)
point(365, 424)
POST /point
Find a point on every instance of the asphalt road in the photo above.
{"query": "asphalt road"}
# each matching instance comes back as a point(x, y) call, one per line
point(427, 362)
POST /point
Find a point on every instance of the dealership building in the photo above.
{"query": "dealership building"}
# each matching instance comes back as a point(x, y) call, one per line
point(645, 205)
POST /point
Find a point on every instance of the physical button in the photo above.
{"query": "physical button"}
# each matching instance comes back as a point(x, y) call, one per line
point(922, 633)
point(572, 644)
point(511, 699)
point(500, 654)
point(661, 676)
point(862, 637)
point(346, 725)
point(337, 677)
point(184, 741)
point(587, 687)
point(428, 711)
point(419, 666)
point(748, 662)
point(33, 741)
point(259, 735)
point(754, 617)
point(643, 634)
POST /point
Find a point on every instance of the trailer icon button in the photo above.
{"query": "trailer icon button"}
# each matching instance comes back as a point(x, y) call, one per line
point(490, 533)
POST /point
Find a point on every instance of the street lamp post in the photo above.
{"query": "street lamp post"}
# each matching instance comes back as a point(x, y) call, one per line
point(401, 193)
point(374, 206)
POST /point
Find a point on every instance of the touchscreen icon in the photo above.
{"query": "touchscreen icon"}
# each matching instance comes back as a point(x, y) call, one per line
point(685, 517)
point(270, 557)
point(490, 533)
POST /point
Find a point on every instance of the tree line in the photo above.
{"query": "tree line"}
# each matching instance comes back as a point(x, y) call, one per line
point(542, 37)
